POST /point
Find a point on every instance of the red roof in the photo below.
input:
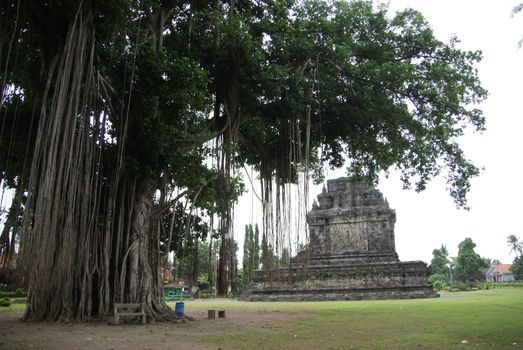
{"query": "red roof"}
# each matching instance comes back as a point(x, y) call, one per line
point(176, 284)
point(167, 274)
point(504, 268)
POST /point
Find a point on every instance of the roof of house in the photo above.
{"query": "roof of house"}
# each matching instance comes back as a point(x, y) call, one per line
point(504, 268)
point(179, 283)
point(499, 269)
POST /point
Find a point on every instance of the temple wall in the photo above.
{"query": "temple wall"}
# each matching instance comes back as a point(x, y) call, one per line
point(351, 255)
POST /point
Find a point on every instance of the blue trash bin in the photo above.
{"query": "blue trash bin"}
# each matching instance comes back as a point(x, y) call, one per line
point(179, 309)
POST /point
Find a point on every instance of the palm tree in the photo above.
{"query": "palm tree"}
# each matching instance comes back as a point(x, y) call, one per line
point(444, 250)
point(515, 245)
point(516, 10)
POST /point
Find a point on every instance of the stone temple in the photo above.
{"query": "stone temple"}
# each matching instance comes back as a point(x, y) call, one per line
point(351, 255)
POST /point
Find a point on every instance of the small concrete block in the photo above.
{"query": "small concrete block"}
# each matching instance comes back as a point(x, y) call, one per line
point(211, 314)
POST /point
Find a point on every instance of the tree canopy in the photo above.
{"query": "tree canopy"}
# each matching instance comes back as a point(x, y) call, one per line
point(515, 245)
point(469, 264)
point(517, 268)
point(439, 262)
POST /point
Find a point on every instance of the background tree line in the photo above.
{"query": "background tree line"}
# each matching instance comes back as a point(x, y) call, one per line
point(468, 266)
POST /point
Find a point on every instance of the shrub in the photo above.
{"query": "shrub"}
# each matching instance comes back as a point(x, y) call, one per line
point(437, 285)
point(5, 302)
point(437, 277)
point(205, 294)
point(484, 286)
point(462, 286)
point(18, 294)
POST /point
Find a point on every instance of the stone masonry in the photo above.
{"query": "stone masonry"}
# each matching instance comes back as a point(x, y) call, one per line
point(351, 254)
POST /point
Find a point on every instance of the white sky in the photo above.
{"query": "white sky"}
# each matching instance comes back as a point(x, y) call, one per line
point(428, 219)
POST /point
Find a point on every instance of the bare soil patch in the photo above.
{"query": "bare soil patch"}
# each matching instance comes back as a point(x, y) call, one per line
point(16, 334)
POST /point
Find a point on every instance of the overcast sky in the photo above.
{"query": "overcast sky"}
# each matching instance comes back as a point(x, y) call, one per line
point(428, 219)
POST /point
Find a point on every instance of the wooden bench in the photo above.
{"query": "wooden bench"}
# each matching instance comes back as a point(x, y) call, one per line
point(174, 296)
point(128, 310)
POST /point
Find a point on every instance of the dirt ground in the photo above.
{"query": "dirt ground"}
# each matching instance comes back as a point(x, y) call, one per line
point(161, 335)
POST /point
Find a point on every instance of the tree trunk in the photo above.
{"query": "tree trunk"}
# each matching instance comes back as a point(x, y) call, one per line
point(223, 281)
point(142, 271)
point(58, 233)
point(87, 241)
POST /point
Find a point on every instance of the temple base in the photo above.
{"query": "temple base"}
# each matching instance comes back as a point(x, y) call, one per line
point(322, 279)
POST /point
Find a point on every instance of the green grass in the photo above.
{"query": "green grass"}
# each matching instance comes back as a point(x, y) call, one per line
point(490, 319)
point(13, 308)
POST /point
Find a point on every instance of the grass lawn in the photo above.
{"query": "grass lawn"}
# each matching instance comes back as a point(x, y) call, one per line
point(13, 308)
point(490, 319)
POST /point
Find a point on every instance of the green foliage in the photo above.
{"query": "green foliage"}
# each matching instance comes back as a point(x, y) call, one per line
point(186, 227)
point(487, 262)
point(469, 265)
point(193, 265)
point(437, 285)
point(439, 268)
point(268, 258)
point(251, 256)
point(381, 92)
point(439, 262)
point(438, 281)
point(515, 245)
point(5, 302)
point(235, 274)
point(484, 286)
point(517, 268)
point(19, 293)
point(285, 257)
point(376, 90)
point(437, 277)
point(462, 286)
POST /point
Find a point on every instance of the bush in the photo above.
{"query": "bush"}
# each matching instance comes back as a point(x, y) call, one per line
point(484, 286)
point(18, 294)
point(437, 285)
point(205, 294)
point(461, 286)
point(437, 277)
point(5, 302)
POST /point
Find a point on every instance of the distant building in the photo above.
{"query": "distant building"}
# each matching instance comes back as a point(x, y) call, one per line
point(500, 273)
point(175, 290)
point(167, 275)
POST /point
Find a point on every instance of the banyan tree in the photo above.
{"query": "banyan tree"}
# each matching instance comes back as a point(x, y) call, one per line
point(115, 112)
